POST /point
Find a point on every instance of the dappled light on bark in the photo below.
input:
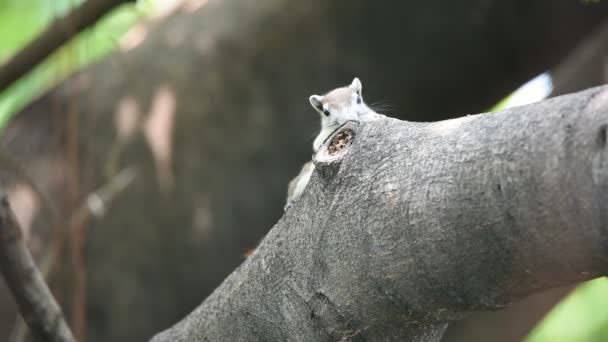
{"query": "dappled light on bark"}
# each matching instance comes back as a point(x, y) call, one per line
point(134, 37)
point(127, 117)
point(24, 203)
point(158, 130)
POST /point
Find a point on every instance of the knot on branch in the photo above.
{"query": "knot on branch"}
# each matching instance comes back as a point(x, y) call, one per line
point(329, 157)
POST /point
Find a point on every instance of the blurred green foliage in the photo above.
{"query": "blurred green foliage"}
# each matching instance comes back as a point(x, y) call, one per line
point(22, 20)
point(580, 317)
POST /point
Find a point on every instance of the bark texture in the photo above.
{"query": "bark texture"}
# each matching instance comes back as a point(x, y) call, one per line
point(232, 77)
point(417, 224)
point(583, 68)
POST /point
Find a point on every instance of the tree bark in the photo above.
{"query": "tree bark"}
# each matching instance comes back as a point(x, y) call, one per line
point(238, 74)
point(417, 224)
point(583, 68)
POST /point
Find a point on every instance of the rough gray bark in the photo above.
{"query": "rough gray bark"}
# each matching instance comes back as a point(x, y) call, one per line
point(583, 68)
point(240, 73)
point(417, 224)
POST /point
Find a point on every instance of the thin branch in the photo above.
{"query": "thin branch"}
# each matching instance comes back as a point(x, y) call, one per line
point(34, 299)
point(57, 34)
point(17, 170)
point(96, 204)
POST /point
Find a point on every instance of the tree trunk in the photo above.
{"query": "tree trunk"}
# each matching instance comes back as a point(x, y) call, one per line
point(414, 225)
point(225, 87)
point(583, 68)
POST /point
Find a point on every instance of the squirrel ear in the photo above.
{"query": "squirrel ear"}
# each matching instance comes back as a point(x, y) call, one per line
point(316, 102)
point(356, 85)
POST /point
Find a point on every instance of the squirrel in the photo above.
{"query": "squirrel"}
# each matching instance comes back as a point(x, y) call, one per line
point(336, 108)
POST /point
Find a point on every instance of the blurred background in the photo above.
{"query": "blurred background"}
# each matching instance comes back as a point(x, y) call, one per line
point(151, 153)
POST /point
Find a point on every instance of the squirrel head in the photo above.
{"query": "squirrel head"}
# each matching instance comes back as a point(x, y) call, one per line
point(340, 105)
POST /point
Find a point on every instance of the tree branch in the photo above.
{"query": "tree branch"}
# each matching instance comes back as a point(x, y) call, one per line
point(57, 34)
point(34, 299)
point(96, 203)
point(414, 225)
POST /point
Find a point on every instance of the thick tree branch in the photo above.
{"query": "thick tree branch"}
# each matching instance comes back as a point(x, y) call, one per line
point(36, 303)
point(57, 34)
point(418, 224)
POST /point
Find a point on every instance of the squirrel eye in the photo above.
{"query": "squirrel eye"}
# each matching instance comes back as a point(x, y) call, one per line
point(326, 112)
point(358, 100)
